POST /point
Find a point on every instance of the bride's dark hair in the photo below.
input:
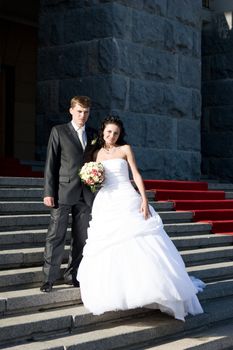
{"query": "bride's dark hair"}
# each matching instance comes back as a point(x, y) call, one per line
point(99, 142)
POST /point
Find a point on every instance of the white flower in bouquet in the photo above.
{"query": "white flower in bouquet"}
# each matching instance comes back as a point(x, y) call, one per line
point(92, 174)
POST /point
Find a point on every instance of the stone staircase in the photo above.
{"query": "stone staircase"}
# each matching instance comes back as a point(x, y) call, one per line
point(57, 320)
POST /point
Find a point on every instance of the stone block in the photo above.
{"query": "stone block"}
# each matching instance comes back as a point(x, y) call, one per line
point(177, 101)
point(122, 25)
point(88, 24)
point(197, 49)
point(190, 72)
point(178, 37)
point(188, 11)
point(160, 132)
point(137, 4)
point(166, 164)
point(47, 97)
point(97, 87)
point(61, 63)
point(51, 29)
point(187, 166)
point(196, 104)
point(158, 7)
point(146, 96)
point(148, 29)
point(139, 61)
point(108, 55)
point(149, 162)
point(120, 92)
point(188, 135)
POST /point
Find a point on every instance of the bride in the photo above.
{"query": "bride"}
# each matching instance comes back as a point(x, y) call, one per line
point(128, 260)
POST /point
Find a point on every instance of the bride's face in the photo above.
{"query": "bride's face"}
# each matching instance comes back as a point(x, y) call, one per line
point(111, 134)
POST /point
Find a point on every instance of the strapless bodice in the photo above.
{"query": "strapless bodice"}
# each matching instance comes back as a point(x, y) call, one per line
point(116, 172)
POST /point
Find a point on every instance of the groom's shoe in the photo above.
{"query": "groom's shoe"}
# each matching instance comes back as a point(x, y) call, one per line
point(46, 287)
point(71, 281)
point(75, 283)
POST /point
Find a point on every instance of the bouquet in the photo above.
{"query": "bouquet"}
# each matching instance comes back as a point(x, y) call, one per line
point(92, 174)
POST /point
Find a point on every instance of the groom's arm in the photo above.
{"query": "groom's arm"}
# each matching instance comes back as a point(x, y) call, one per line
point(51, 173)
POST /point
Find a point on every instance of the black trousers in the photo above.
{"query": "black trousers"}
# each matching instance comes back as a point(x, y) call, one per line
point(56, 237)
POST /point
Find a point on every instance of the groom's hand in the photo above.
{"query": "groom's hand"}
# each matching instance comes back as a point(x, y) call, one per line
point(49, 201)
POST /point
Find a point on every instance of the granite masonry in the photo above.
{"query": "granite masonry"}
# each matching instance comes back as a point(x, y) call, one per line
point(217, 90)
point(140, 59)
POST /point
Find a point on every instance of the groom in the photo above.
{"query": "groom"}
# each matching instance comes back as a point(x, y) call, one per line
point(64, 193)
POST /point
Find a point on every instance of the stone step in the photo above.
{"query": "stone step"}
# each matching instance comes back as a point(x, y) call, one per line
point(202, 241)
point(176, 216)
point(135, 333)
point(229, 195)
point(212, 272)
point(216, 289)
point(24, 238)
point(21, 193)
point(218, 337)
point(23, 257)
point(23, 221)
point(22, 278)
point(21, 181)
point(74, 318)
point(28, 300)
point(162, 206)
point(218, 186)
point(207, 255)
point(188, 229)
point(25, 300)
point(16, 207)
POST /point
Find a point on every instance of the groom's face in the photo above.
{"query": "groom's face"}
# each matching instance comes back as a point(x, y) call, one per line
point(79, 114)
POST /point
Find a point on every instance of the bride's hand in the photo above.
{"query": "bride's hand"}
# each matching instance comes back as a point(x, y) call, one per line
point(145, 209)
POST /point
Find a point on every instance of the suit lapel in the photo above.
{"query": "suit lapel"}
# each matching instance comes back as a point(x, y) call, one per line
point(74, 135)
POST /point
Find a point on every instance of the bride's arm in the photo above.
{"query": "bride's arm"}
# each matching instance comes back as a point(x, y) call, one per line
point(138, 180)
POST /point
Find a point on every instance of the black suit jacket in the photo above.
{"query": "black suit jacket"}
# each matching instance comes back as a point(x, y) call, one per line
point(65, 158)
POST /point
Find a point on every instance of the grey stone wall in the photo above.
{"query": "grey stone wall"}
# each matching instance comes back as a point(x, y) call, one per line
point(217, 116)
point(140, 59)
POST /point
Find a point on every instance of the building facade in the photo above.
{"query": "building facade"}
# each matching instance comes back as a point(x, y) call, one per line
point(153, 63)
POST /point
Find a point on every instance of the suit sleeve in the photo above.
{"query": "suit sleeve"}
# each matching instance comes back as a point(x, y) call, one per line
point(52, 165)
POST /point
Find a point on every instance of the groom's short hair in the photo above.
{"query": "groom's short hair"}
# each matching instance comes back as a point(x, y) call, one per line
point(83, 101)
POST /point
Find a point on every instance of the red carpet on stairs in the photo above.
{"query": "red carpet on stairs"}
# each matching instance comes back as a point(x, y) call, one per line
point(207, 206)
point(187, 194)
point(13, 167)
point(222, 226)
point(213, 214)
point(203, 204)
point(175, 185)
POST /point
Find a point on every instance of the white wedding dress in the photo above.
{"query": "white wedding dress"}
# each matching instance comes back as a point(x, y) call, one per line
point(130, 262)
